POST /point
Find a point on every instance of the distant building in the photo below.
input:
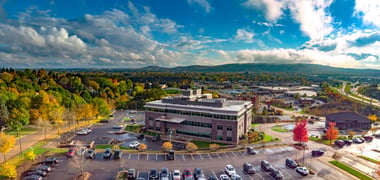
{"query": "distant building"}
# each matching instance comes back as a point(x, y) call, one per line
point(198, 116)
point(348, 121)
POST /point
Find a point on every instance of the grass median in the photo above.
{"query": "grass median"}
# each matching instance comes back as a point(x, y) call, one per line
point(279, 128)
point(350, 170)
point(370, 159)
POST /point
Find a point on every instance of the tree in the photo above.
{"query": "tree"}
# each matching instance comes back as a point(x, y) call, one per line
point(4, 114)
point(115, 147)
point(30, 155)
point(351, 134)
point(8, 170)
point(372, 117)
point(6, 143)
point(166, 146)
point(191, 147)
point(300, 133)
point(332, 132)
point(142, 147)
point(214, 147)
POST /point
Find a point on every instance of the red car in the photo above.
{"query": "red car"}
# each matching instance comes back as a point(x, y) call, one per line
point(71, 152)
point(187, 174)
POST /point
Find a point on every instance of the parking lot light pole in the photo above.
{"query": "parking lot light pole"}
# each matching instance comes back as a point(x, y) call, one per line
point(170, 134)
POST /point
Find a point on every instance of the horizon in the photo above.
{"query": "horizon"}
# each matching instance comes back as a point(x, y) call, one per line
point(136, 34)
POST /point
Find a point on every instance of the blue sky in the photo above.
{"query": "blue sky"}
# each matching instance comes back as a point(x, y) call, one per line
point(138, 33)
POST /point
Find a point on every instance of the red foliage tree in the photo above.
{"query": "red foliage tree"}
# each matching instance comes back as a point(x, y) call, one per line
point(332, 132)
point(300, 132)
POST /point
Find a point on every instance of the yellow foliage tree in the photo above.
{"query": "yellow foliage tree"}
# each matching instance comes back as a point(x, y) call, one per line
point(372, 117)
point(142, 147)
point(351, 134)
point(30, 155)
point(6, 143)
point(214, 147)
point(114, 147)
point(191, 147)
point(8, 170)
point(166, 146)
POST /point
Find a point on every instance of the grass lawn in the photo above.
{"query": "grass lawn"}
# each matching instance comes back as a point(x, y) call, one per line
point(173, 91)
point(133, 128)
point(104, 146)
point(19, 159)
point(253, 125)
point(203, 144)
point(23, 131)
point(350, 170)
point(323, 141)
point(126, 119)
point(279, 128)
point(369, 159)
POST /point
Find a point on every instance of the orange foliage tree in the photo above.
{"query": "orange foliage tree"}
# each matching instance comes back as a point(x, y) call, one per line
point(332, 132)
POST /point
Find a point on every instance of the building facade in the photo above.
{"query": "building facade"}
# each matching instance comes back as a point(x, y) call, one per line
point(348, 121)
point(198, 116)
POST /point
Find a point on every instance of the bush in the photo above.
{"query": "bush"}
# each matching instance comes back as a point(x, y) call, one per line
point(142, 147)
point(214, 147)
point(166, 146)
point(191, 147)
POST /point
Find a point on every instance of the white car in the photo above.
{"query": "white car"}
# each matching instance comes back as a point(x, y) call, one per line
point(235, 177)
point(88, 130)
point(229, 169)
point(302, 170)
point(134, 145)
point(224, 177)
point(176, 174)
point(117, 126)
point(81, 132)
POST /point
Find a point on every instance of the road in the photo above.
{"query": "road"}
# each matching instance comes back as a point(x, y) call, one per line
point(372, 101)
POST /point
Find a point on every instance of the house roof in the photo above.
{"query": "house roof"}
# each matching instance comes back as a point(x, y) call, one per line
point(347, 117)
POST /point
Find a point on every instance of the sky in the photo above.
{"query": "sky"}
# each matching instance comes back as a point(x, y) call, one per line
point(168, 33)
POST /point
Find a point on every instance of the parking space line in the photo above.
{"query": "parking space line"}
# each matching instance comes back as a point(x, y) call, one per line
point(200, 156)
point(147, 156)
point(292, 177)
point(235, 154)
point(137, 174)
point(209, 155)
point(261, 176)
point(226, 155)
point(129, 157)
point(156, 157)
point(214, 173)
point(192, 156)
point(183, 156)
point(242, 154)
point(138, 157)
point(217, 155)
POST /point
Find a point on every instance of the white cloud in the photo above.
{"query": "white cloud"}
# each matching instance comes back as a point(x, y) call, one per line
point(368, 10)
point(273, 9)
point(202, 3)
point(244, 35)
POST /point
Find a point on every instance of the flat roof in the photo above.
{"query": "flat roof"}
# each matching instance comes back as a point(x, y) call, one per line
point(172, 120)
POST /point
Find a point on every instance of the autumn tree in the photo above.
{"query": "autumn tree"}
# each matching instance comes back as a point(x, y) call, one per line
point(351, 134)
point(191, 147)
point(6, 143)
point(332, 132)
point(8, 170)
point(142, 147)
point(372, 117)
point(214, 147)
point(30, 155)
point(166, 146)
point(300, 133)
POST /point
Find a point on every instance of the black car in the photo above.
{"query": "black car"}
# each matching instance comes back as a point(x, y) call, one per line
point(117, 154)
point(153, 174)
point(276, 174)
point(347, 142)
point(265, 165)
point(250, 150)
point(164, 174)
point(212, 177)
point(50, 160)
point(171, 155)
point(91, 153)
point(32, 177)
point(317, 152)
point(290, 163)
point(43, 168)
point(131, 174)
point(36, 172)
point(339, 143)
point(107, 153)
point(248, 168)
point(198, 173)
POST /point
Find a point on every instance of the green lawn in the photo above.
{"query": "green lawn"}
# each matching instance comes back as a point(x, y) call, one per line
point(173, 91)
point(23, 131)
point(279, 128)
point(350, 170)
point(369, 159)
point(322, 141)
point(126, 119)
point(203, 144)
point(253, 125)
point(104, 146)
point(37, 148)
point(133, 128)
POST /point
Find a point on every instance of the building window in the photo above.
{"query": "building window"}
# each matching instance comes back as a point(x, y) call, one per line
point(219, 138)
point(158, 129)
point(229, 138)
point(151, 127)
point(150, 118)
point(229, 128)
point(219, 127)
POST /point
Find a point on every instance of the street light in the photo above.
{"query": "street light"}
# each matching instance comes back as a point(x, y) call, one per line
point(170, 134)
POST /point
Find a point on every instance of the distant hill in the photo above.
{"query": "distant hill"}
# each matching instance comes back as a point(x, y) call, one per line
point(261, 68)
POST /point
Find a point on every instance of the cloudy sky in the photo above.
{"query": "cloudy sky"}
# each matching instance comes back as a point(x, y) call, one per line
point(138, 33)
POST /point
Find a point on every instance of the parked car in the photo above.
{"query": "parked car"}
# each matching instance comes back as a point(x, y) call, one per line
point(235, 177)
point(164, 174)
point(302, 170)
point(347, 142)
point(339, 143)
point(153, 174)
point(88, 130)
point(198, 174)
point(224, 177)
point(250, 150)
point(187, 174)
point(229, 169)
point(50, 160)
point(117, 154)
point(107, 153)
point(171, 155)
point(368, 138)
point(90, 153)
point(357, 140)
point(104, 121)
point(265, 165)
point(117, 126)
point(377, 135)
point(32, 177)
point(248, 168)
point(36, 172)
point(131, 175)
point(317, 152)
point(71, 152)
point(43, 168)
point(176, 174)
point(275, 173)
point(212, 177)
point(290, 163)
point(82, 132)
point(134, 145)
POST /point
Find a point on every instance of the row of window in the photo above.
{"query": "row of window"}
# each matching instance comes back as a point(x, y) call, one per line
point(220, 127)
point(196, 134)
point(198, 124)
point(190, 113)
point(221, 138)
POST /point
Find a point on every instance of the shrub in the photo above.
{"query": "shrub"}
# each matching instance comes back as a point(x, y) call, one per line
point(166, 146)
point(191, 147)
point(214, 147)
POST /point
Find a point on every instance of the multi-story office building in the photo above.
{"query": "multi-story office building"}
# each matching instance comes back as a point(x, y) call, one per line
point(199, 116)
